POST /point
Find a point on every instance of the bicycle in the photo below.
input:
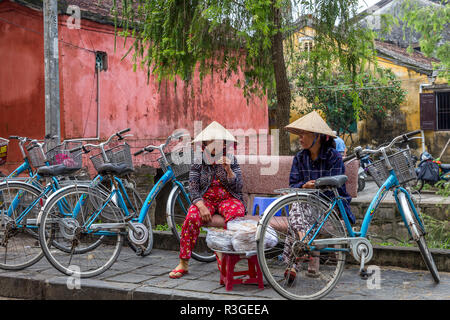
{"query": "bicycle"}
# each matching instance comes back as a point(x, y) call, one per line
point(99, 220)
point(330, 235)
point(176, 166)
point(20, 202)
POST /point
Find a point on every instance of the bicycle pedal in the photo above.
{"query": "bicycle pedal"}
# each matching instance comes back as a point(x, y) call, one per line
point(139, 251)
point(363, 274)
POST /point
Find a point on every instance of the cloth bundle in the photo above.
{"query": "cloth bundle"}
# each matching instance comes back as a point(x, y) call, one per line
point(239, 236)
point(219, 239)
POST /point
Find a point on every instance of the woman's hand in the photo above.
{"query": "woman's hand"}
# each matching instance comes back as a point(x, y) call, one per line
point(204, 211)
point(309, 185)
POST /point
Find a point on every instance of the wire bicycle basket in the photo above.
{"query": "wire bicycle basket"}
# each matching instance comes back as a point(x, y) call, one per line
point(61, 155)
point(118, 155)
point(176, 161)
point(403, 166)
point(36, 155)
point(3, 150)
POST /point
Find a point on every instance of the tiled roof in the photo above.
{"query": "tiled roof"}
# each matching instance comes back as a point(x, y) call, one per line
point(416, 60)
point(96, 10)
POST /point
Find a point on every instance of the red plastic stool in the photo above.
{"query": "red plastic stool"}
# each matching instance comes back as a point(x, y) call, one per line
point(227, 273)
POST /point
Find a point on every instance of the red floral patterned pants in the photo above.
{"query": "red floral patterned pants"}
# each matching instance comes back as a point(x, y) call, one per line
point(217, 200)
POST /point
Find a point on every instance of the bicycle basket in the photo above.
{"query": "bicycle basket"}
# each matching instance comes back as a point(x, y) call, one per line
point(118, 155)
point(402, 164)
point(3, 150)
point(36, 155)
point(61, 155)
point(178, 163)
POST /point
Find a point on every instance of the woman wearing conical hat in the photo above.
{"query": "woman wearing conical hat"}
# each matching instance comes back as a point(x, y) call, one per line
point(215, 186)
point(319, 158)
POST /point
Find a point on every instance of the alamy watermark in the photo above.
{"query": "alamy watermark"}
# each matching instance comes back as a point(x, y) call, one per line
point(374, 280)
point(74, 281)
point(74, 19)
point(252, 148)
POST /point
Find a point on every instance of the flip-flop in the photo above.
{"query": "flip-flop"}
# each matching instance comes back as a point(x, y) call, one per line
point(182, 272)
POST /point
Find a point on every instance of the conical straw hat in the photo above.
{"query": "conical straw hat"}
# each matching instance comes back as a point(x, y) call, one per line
point(214, 131)
point(311, 122)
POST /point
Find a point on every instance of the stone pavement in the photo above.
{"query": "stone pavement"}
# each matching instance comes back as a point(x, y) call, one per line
point(133, 277)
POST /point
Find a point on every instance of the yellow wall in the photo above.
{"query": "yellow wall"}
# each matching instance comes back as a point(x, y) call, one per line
point(411, 81)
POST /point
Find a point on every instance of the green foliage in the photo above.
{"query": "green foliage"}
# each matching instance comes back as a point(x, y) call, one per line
point(431, 22)
point(438, 232)
point(443, 188)
point(183, 38)
point(343, 98)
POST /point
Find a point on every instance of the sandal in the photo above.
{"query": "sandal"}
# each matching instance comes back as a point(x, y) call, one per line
point(182, 272)
point(290, 275)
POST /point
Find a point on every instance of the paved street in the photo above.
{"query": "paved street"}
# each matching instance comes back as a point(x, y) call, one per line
point(134, 277)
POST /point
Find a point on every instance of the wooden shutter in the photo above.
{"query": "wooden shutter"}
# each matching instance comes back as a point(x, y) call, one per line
point(428, 111)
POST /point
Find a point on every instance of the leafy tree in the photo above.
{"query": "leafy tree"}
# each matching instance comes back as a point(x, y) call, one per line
point(335, 97)
point(245, 37)
point(431, 22)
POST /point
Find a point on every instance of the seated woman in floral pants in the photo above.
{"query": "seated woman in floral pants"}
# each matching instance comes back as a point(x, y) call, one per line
point(215, 186)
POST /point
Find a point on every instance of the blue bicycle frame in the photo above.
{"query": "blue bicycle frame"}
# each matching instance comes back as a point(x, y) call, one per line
point(390, 183)
point(118, 194)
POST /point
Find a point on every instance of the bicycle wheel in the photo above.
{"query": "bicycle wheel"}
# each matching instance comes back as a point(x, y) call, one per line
point(291, 267)
point(20, 204)
point(416, 228)
point(85, 243)
point(177, 208)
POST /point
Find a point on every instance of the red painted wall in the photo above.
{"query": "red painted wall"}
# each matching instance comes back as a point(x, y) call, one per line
point(126, 99)
point(21, 75)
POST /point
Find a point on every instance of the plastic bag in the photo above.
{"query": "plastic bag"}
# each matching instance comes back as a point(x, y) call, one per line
point(271, 238)
point(219, 239)
point(245, 232)
point(244, 241)
point(242, 225)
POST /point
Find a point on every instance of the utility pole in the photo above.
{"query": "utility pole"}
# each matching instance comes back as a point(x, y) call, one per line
point(51, 62)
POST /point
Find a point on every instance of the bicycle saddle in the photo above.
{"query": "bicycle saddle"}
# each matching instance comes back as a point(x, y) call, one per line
point(115, 169)
point(56, 170)
point(333, 181)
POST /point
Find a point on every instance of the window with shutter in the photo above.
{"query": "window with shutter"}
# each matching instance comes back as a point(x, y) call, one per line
point(428, 111)
point(443, 110)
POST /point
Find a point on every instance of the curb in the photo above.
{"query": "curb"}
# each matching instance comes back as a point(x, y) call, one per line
point(21, 286)
point(404, 257)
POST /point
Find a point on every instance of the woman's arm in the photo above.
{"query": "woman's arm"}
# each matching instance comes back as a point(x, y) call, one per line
point(194, 183)
point(296, 178)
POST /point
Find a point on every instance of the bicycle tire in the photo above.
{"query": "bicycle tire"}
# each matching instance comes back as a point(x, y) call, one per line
point(274, 261)
point(416, 230)
point(29, 254)
point(176, 211)
point(77, 263)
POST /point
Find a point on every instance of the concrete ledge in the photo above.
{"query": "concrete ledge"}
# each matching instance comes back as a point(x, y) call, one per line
point(404, 257)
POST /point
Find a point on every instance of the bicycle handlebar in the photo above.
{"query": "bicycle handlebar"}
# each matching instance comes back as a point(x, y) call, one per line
point(161, 147)
point(118, 134)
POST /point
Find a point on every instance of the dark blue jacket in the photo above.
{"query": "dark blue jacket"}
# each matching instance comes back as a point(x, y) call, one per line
point(328, 163)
